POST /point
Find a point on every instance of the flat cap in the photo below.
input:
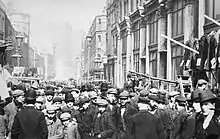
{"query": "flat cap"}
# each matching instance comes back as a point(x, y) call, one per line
point(93, 94)
point(153, 90)
point(66, 110)
point(174, 93)
point(51, 109)
point(40, 99)
point(83, 100)
point(49, 92)
point(144, 100)
point(124, 94)
point(65, 90)
point(180, 98)
point(144, 93)
point(101, 102)
point(202, 81)
point(57, 99)
point(112, 91)
point(65, 116)
point(17, 93)
point(153, 97)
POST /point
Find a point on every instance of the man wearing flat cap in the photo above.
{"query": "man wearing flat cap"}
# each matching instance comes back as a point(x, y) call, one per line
point(29, 123)
point(85, 119)
point(113, 107)
point(144, 124)
point(103, 125)
point(180, 118)
point(13, 107)
point(126, 110)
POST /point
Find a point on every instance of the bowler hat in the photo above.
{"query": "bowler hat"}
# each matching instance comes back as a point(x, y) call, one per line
point(104, 87)
point(69, 97)
point(195, 95)
point(30, 94)
point(207, 95)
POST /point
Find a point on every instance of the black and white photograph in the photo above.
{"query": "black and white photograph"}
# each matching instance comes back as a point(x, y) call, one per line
point(109, 69)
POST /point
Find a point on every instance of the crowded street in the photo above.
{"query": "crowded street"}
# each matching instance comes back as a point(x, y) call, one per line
point(109, 69)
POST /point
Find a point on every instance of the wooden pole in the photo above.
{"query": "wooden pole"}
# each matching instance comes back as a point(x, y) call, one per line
point(213, 20)
point(152, 78)
point(183, 45)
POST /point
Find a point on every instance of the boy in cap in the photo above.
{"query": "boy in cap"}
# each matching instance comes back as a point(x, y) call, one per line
point(70, 126)
point(40, 101)
point(49, 97)
point(12, 108)
point(144, 124)
point(54, 124)
point(103, 126)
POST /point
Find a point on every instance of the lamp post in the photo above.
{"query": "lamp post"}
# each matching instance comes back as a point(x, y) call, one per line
point(17, 55)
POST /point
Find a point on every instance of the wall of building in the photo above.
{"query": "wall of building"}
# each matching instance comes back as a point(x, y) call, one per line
point(138, 25)
point(95, 48)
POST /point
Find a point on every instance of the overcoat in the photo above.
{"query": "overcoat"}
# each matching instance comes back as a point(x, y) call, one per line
point(29, 123)
point(144, 125)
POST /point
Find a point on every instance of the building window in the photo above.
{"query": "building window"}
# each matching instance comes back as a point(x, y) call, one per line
point(153, 28)
point(100, 21)
point(178, 18)
point(124, 42)
point(136, 62)
point(126, 8)
point(124, 68)
point(212, 9)
point(136, 37)
point(132, 5)
point(153, 63)
point(177, 55)
point(100, 38)
point(121, 11)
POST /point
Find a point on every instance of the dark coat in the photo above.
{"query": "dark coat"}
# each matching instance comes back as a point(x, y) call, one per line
point(104, 126)
point(211, 132)
point(129, 111)
point(85, 124)
point(113, 113)
point(29, 123)
point(191, 126)
point(145, 125)
point(179, 125)
point(166, 121)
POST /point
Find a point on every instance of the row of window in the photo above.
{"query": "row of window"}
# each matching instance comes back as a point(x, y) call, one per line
point(211, 9)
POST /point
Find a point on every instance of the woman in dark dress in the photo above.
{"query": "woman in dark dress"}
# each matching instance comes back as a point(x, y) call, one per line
point(208, 125)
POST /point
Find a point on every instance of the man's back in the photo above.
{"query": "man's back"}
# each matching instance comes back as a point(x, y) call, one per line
point(29, 123)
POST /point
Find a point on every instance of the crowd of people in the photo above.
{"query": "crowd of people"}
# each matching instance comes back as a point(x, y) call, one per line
point(143, 112)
